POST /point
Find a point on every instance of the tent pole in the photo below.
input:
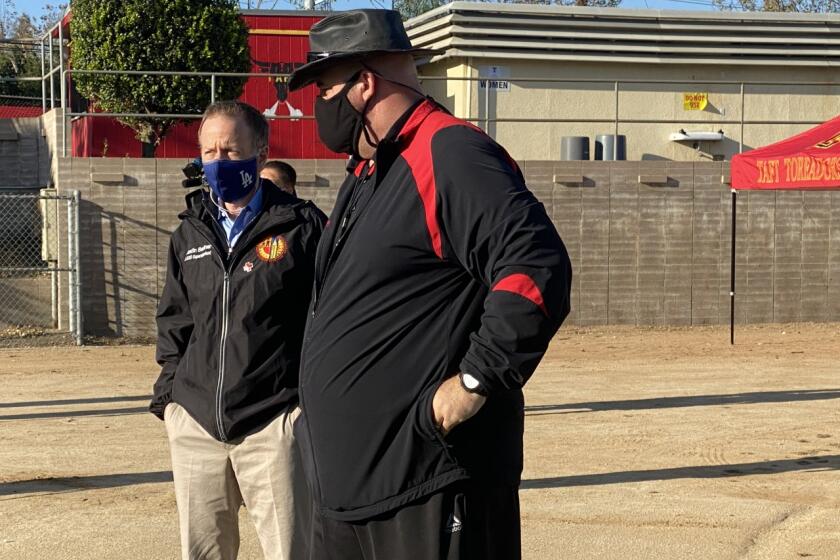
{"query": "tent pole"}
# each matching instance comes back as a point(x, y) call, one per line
point(732, 275)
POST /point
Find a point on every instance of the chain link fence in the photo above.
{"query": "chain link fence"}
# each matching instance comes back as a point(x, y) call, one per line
point(17, 106)
point(39, 271)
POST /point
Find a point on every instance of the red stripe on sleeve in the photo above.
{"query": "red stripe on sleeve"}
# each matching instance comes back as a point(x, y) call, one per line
point(523, 285)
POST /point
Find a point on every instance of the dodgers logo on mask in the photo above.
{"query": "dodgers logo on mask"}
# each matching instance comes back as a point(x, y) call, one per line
point(272, 248)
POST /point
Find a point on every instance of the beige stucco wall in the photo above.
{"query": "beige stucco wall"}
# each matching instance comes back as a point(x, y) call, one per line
point(452, 92)
point(637, 102)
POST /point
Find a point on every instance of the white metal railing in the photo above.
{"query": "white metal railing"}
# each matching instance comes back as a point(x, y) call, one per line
point(50, 68)
point(211, 76)
point(48, 75)
point(486, 120)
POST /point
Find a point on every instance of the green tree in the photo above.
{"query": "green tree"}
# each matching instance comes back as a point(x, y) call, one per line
point(410, 8)
point(19, 56)
point(170, 35)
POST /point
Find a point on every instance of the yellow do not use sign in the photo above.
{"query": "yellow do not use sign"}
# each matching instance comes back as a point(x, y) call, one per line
point(695, 101)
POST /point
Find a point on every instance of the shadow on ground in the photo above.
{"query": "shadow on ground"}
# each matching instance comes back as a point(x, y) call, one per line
point(76, 483)
point(818, 463)
point(91, 400)
point(75, 413)
point(686, 401)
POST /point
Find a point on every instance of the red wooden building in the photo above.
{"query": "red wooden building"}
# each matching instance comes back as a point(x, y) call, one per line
point(279, 41)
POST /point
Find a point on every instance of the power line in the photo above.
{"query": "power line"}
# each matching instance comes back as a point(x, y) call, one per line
point(31, 42)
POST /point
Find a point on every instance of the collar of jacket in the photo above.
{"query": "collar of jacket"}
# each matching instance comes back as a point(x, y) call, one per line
point(400, 134)
point(278, 207)
point(414, 117)
point(276, 202)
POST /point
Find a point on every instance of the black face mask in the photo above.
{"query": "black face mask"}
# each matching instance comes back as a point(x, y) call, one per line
point(340, 125)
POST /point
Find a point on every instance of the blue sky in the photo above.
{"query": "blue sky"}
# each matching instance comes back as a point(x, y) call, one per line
point(35, 7)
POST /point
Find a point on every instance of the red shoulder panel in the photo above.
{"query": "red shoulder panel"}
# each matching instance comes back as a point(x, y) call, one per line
point(426, 121)
point(418, 131)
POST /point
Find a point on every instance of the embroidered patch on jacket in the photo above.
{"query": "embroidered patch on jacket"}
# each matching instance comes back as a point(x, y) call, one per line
point(248, 266)
point(272, 248)
point(198, 253)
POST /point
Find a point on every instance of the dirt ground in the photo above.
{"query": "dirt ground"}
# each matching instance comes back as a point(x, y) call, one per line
point(640, 444)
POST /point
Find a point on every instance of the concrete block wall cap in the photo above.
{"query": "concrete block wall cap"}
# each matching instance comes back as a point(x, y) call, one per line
point(304, 178)
point(653, 179)
point(105, 177)
point(568, 179)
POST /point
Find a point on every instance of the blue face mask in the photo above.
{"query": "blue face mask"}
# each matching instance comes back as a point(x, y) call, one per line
point(231, 180)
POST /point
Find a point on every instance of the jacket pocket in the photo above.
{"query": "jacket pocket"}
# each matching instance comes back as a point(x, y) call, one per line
point(428, 425)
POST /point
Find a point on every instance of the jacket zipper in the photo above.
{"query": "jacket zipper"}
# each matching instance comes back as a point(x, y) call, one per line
point(342, 233)
point(318, 288)
point(222, 343)
point(225, 313)
point(225, 289)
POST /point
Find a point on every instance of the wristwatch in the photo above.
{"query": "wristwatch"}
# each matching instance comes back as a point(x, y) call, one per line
point(472, 385)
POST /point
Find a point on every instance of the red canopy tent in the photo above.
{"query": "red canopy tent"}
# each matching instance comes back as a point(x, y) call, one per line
point(810, 160)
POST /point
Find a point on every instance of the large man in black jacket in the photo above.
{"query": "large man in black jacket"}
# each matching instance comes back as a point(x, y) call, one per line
point(439, 283)
point(230, 327)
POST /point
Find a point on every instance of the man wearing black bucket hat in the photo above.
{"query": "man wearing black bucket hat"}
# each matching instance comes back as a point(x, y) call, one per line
point(439, 282)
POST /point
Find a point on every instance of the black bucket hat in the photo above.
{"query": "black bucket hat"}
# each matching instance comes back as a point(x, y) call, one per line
point(353, 35)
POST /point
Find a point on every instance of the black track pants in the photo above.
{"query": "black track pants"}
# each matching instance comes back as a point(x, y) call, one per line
point(461, 522)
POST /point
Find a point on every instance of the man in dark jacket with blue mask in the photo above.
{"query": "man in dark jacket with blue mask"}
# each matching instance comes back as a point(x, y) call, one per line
point(230, 328)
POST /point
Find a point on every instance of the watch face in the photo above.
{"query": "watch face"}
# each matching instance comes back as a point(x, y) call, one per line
point(470, 382)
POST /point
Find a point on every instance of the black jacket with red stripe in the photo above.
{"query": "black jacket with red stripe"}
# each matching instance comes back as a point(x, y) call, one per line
point(437, 259)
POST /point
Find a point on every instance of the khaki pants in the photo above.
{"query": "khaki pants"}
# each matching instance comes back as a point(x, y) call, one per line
point(212, 480)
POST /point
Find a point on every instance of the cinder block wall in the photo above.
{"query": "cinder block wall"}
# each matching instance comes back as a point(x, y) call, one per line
point(24, 155)
point(659, 254)
point(643, 254)
point(56, 132)
point(129, 209)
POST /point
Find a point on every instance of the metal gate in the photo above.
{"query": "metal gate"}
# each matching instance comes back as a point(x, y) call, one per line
point(40, 287)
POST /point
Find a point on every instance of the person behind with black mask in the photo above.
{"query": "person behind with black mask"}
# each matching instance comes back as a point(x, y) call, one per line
point(281, 174)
